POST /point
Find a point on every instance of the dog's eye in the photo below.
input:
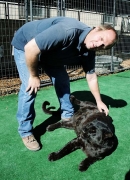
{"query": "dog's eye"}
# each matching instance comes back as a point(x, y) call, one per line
point(93, 130)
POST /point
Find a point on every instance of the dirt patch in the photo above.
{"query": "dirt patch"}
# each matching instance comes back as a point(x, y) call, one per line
point(12, 85)
point(8, 86)
point(125, 64)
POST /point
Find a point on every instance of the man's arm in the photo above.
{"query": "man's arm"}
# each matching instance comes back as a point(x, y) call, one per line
point(94, 88)
point(31, 54)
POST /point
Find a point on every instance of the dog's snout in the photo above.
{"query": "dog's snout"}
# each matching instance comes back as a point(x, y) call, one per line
point(108, 135)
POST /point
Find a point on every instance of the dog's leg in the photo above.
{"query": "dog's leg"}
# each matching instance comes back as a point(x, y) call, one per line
point(82, 103)
point(61, 124)
point(84, 165)
point(67, 149)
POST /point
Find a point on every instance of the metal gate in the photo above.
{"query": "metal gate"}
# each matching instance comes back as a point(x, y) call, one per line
point(14, 14)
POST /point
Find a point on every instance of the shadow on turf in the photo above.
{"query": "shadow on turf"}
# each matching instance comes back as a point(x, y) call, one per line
point(127, 176)
point(84, 96)
point(87, 96)
point(41, 128)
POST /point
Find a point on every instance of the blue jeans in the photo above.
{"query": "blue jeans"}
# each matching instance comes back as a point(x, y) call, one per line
point(26, 111)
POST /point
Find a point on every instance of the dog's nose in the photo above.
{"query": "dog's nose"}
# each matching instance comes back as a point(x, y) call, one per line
point(108, 135)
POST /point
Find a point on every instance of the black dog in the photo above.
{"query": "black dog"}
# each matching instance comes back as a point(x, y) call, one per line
point(95, 133)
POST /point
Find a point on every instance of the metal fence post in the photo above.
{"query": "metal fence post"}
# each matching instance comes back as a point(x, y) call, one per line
point(78, 15)
point(112, 50)
point(61, 8)
point(31, 13)
point(26, 10)
point(58, 8)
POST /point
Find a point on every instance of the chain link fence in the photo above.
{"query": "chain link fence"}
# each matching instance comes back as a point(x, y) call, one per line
point(13, 14)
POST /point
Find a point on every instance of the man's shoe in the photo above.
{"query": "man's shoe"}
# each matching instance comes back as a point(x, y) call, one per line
point(31, 143)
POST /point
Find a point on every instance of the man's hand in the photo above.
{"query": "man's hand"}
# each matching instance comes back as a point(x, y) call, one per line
point(33, 85)
point(102, 107)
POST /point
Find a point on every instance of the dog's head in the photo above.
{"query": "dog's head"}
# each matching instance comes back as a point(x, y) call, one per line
point(98, 133)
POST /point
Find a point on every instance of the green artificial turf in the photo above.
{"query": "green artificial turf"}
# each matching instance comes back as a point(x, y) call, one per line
point(16, 162)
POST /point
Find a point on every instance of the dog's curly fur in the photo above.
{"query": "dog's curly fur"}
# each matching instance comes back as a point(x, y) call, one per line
point(95, 133)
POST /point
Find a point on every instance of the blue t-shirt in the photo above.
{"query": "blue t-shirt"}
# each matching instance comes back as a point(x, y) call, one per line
point(60, 40)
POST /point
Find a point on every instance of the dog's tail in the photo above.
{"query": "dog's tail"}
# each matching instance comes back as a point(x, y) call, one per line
point(47, 110)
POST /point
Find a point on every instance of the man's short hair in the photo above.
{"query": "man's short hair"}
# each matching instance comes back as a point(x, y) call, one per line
point(109, 27)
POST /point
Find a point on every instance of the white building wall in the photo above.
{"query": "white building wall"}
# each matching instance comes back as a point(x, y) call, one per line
point(89, 18)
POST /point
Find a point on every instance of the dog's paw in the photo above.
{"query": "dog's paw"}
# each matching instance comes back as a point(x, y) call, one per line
point(72, 98)
point(52, 156)
point(82, 168)
point(50, 128)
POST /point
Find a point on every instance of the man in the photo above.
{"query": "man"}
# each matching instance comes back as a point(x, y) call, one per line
point(57, 41)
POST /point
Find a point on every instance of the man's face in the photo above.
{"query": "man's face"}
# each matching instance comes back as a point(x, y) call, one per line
point(99, 39)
